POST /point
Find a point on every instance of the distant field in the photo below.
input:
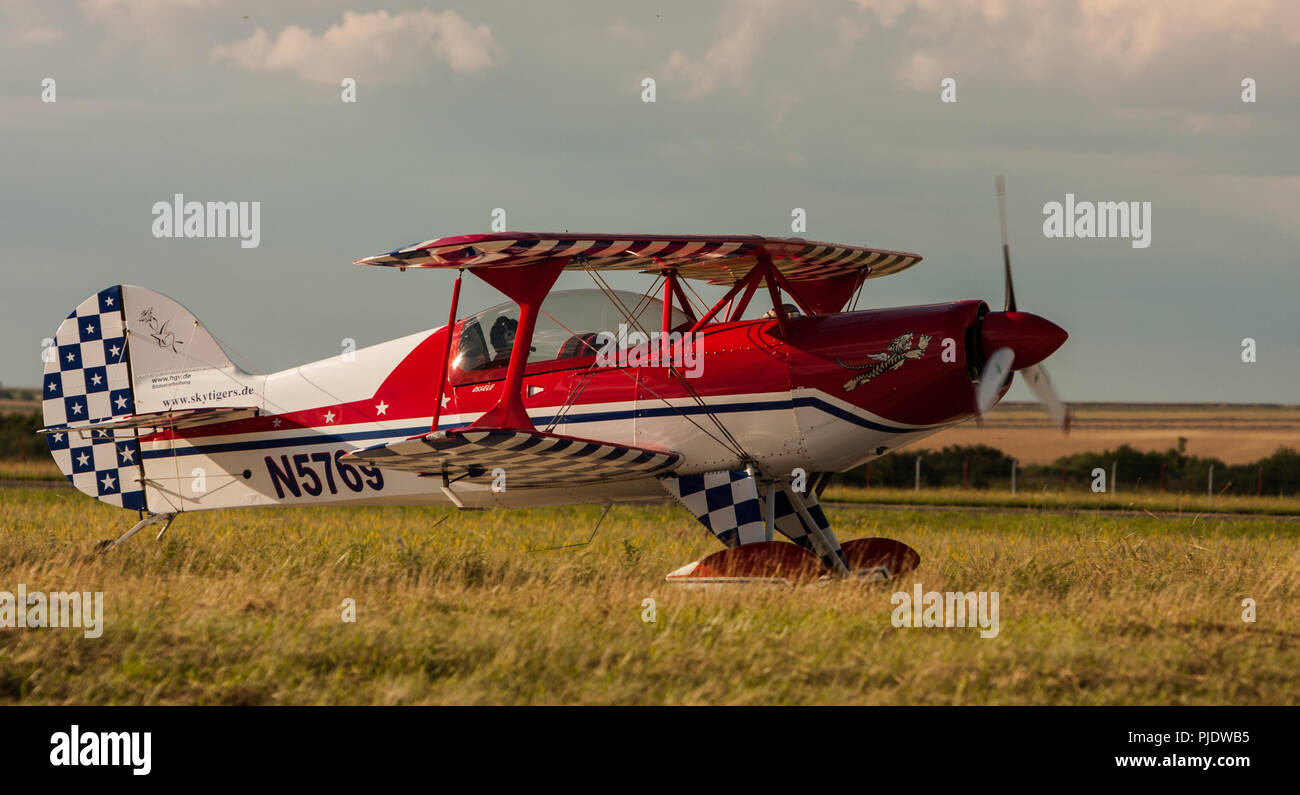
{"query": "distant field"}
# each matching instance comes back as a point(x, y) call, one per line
point(1234, 433)
point(1079, 499)
point(243, 607)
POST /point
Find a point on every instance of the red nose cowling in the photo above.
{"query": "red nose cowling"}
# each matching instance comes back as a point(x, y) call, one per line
point(1030, 337)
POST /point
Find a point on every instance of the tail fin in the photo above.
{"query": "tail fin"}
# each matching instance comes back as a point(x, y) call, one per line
point(123, 352)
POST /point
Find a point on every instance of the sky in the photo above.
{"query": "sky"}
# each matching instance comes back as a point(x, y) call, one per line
point(760, 107)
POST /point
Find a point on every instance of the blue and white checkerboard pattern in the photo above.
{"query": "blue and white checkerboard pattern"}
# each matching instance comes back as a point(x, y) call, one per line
point(88, 382)
point(725, 501)
point(791, 525)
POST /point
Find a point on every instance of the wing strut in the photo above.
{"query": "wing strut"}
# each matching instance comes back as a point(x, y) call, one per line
point(526, 286)
point(732, 442)
point(446, 351)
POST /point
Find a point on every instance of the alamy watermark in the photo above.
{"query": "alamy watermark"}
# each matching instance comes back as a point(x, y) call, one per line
point(53, 610)
point(629, 348)
point(94, 749)
point(179, 218)
point(923, 608)
point(1098, 219)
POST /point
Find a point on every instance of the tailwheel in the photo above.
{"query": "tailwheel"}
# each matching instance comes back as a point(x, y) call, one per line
point(879, 559)
point(761, 563)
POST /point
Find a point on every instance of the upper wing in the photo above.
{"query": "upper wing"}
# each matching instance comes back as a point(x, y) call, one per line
point(718, 259)
point(529, 458)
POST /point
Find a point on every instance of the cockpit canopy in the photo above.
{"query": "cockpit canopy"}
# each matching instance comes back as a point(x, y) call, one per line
point(566, 329)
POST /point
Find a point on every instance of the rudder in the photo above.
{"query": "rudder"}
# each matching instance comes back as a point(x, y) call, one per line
point(127, 351)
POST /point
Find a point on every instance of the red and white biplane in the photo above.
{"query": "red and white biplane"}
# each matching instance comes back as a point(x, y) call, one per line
point(556, 397)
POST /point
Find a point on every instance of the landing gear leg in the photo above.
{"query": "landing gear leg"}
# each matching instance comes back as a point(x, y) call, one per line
point(799, 517)
point(743, 512)
point(153, 518)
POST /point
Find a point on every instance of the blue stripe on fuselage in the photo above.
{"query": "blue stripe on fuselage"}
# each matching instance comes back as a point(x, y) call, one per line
point(604, 416)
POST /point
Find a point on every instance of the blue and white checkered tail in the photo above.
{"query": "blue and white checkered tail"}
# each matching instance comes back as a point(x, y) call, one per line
point(808, 527)
point(87, 381)
point(726, 502)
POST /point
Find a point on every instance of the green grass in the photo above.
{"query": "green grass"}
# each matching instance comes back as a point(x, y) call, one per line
point(42, 468)
point(243, 607)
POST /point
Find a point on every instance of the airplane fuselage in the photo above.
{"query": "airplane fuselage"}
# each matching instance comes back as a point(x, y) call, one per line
point(831, 393)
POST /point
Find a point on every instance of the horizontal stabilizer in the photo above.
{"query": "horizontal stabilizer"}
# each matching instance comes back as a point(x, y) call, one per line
point(528, 458)
point(160, 420)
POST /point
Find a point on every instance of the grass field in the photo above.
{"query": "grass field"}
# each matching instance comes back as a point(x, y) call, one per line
point(243, 607)
point(42, 468)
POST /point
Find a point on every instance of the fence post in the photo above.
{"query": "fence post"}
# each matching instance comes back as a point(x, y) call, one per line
point(1209, 489)
point(1113, 466)
point(1013, 476)
point(918, 473)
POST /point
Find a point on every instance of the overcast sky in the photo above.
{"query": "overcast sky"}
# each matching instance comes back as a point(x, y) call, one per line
point(761, 107)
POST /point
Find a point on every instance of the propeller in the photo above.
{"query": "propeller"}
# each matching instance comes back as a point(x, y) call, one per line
point(1006, 247)
point(1013, 337)
point(997, 371)
point(1042, 387)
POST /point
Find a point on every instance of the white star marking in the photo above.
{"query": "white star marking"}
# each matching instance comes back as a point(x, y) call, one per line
point(58, 437)
point(275, 423)
point(121, 401)
point(114, 350)
point(90, 328)
point(53, 386)
point(72, 357)
point(83, 458)
point(381, 408)
point(108, 300)
point(76, 408)
point(329, 416)
point(127, 455)
point(445, 400)
point(109, 481)
point(95, 379)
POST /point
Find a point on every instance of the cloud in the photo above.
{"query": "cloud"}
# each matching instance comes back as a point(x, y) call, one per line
point(920, 72)
point(376, 46)
point(1114, 37)
point(1102, 39)
point(102, 8)
point(41, 36)
point(727, 64)
point(624, 33)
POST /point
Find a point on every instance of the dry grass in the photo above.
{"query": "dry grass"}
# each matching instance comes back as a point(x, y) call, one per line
point(243, 607)
point(42, 468)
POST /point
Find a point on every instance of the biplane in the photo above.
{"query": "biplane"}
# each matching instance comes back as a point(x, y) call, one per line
point(553, 397)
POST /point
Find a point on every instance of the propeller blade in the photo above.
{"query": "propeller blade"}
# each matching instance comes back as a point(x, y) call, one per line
point(1006, 247)
point(1038, 381)
point(996, 372)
